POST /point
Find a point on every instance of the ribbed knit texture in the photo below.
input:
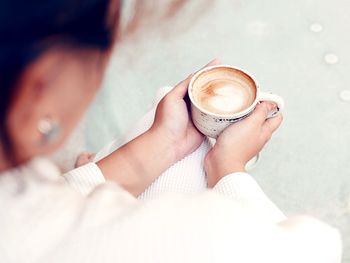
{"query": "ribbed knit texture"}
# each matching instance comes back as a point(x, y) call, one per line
point(85, 178)
point(241, 186)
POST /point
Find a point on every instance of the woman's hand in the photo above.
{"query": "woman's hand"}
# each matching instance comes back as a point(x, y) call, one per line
point(135, 165)
point(240, 142)
point(84, 158)
point(172, 121)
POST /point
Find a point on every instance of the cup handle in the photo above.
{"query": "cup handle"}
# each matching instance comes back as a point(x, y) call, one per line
point(265, 96)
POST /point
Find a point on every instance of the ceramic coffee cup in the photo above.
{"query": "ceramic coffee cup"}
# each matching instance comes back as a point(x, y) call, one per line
point(222, 94)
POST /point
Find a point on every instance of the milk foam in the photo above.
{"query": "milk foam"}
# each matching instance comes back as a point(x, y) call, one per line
point(224, 91)
point(227, 99)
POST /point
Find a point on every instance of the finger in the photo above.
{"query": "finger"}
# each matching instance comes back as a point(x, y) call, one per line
point(212, 63)
point(261, 112)
point(272, 124)
point(92, 157)
point(180, 89)
point(82, 159)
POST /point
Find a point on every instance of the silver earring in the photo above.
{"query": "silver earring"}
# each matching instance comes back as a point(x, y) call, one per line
point(49, 129)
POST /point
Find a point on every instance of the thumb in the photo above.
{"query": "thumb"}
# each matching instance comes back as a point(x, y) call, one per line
point(180, 89)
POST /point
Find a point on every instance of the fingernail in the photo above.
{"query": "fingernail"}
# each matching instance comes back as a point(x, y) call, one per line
point(271, 105)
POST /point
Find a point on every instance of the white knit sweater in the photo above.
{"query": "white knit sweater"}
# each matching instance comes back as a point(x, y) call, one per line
point(43, 219)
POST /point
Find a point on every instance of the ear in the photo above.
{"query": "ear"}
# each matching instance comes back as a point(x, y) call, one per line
point(57, 86)
point(29, 105)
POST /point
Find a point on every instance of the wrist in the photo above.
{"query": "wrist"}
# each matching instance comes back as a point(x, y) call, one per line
point(218, 166)
point(138, 163)
point(167, 144)
point(162, 145)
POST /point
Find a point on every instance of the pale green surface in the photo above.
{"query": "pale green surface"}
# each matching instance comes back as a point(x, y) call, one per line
point(306, 167)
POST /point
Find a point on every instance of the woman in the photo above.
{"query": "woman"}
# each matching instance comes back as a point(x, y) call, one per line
point(53, 55)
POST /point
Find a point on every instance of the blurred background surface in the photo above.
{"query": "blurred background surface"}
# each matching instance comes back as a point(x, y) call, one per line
point(297, 49)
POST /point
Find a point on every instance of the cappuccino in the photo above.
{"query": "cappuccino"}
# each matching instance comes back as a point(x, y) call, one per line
point(221, 95)
point(224, 91)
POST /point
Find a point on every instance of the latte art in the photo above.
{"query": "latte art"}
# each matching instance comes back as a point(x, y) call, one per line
point(224, 92)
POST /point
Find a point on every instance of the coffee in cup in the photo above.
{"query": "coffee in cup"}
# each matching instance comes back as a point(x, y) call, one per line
point(221, 95)
point(224, 91)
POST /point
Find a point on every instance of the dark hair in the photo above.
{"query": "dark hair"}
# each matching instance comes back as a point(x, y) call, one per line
point(29, 27)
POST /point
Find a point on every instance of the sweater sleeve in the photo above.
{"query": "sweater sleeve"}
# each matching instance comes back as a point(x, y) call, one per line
point(207, 227)
point(85, 178)
point(243, 188)
point(110, 225)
